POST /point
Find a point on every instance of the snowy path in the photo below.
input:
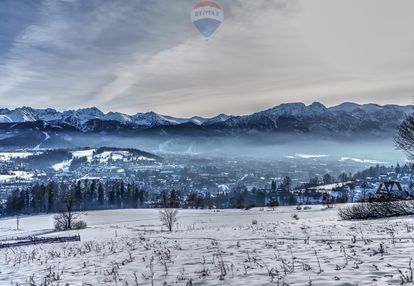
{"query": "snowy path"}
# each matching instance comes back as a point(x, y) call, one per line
point(47, 136)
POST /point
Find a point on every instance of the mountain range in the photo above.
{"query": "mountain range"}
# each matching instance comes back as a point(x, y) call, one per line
point(344, 120)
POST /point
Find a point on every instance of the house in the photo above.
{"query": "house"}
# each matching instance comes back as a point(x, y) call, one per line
point(389, 188)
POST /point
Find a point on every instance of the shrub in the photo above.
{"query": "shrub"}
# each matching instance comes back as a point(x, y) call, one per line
point(59, 224)
point(79, 224)
point(254, 222)
point(379, 209)
point(63, 222)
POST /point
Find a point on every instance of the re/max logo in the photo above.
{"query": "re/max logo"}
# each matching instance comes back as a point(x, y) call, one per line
point(205, 12)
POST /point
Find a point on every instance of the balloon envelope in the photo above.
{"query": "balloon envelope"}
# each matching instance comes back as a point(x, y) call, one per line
point(207, 16)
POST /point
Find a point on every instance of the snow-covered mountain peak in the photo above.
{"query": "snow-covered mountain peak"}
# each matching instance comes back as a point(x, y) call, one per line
point(152, 119)
point(89, 112)
point(198, 120)
point(346, 107)
point(298, 109)
point(217, 119)
point(317, 107)
point(286, 116)
point(290, 107)
point(22, 114)
point(117, 116)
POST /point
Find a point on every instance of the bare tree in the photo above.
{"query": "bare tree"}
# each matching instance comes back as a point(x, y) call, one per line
point(405, 138)
point(68, 219)
point(168, 217)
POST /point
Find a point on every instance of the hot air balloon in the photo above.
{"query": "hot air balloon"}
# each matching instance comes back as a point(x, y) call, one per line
point(207, 16)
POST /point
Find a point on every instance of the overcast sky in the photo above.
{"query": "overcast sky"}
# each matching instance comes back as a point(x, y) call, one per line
point(144, 55)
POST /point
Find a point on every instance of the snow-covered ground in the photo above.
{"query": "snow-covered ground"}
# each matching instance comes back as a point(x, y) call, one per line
point(7, 156)
point(207, 247)
point(16, 176)
point(62, 166)
point(88, 153)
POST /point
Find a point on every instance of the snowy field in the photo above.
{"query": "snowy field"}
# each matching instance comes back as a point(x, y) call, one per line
point(227, 247)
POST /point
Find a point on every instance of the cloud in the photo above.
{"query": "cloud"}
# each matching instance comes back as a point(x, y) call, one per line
point(76, 48)
point(144, 55)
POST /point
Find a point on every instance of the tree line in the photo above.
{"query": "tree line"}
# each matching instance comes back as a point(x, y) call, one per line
point(378, 170)
point(85, 195)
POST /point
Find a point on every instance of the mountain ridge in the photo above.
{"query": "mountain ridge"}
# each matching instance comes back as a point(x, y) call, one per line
point(344, 120)
point(26, 113)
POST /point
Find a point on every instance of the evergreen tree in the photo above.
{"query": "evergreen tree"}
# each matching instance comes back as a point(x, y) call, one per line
point(78, 195)
point(101, 195)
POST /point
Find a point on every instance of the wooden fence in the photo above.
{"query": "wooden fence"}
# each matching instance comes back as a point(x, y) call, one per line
point(33, 240)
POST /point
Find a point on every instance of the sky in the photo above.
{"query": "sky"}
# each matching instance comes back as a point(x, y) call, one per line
point(144, 55)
